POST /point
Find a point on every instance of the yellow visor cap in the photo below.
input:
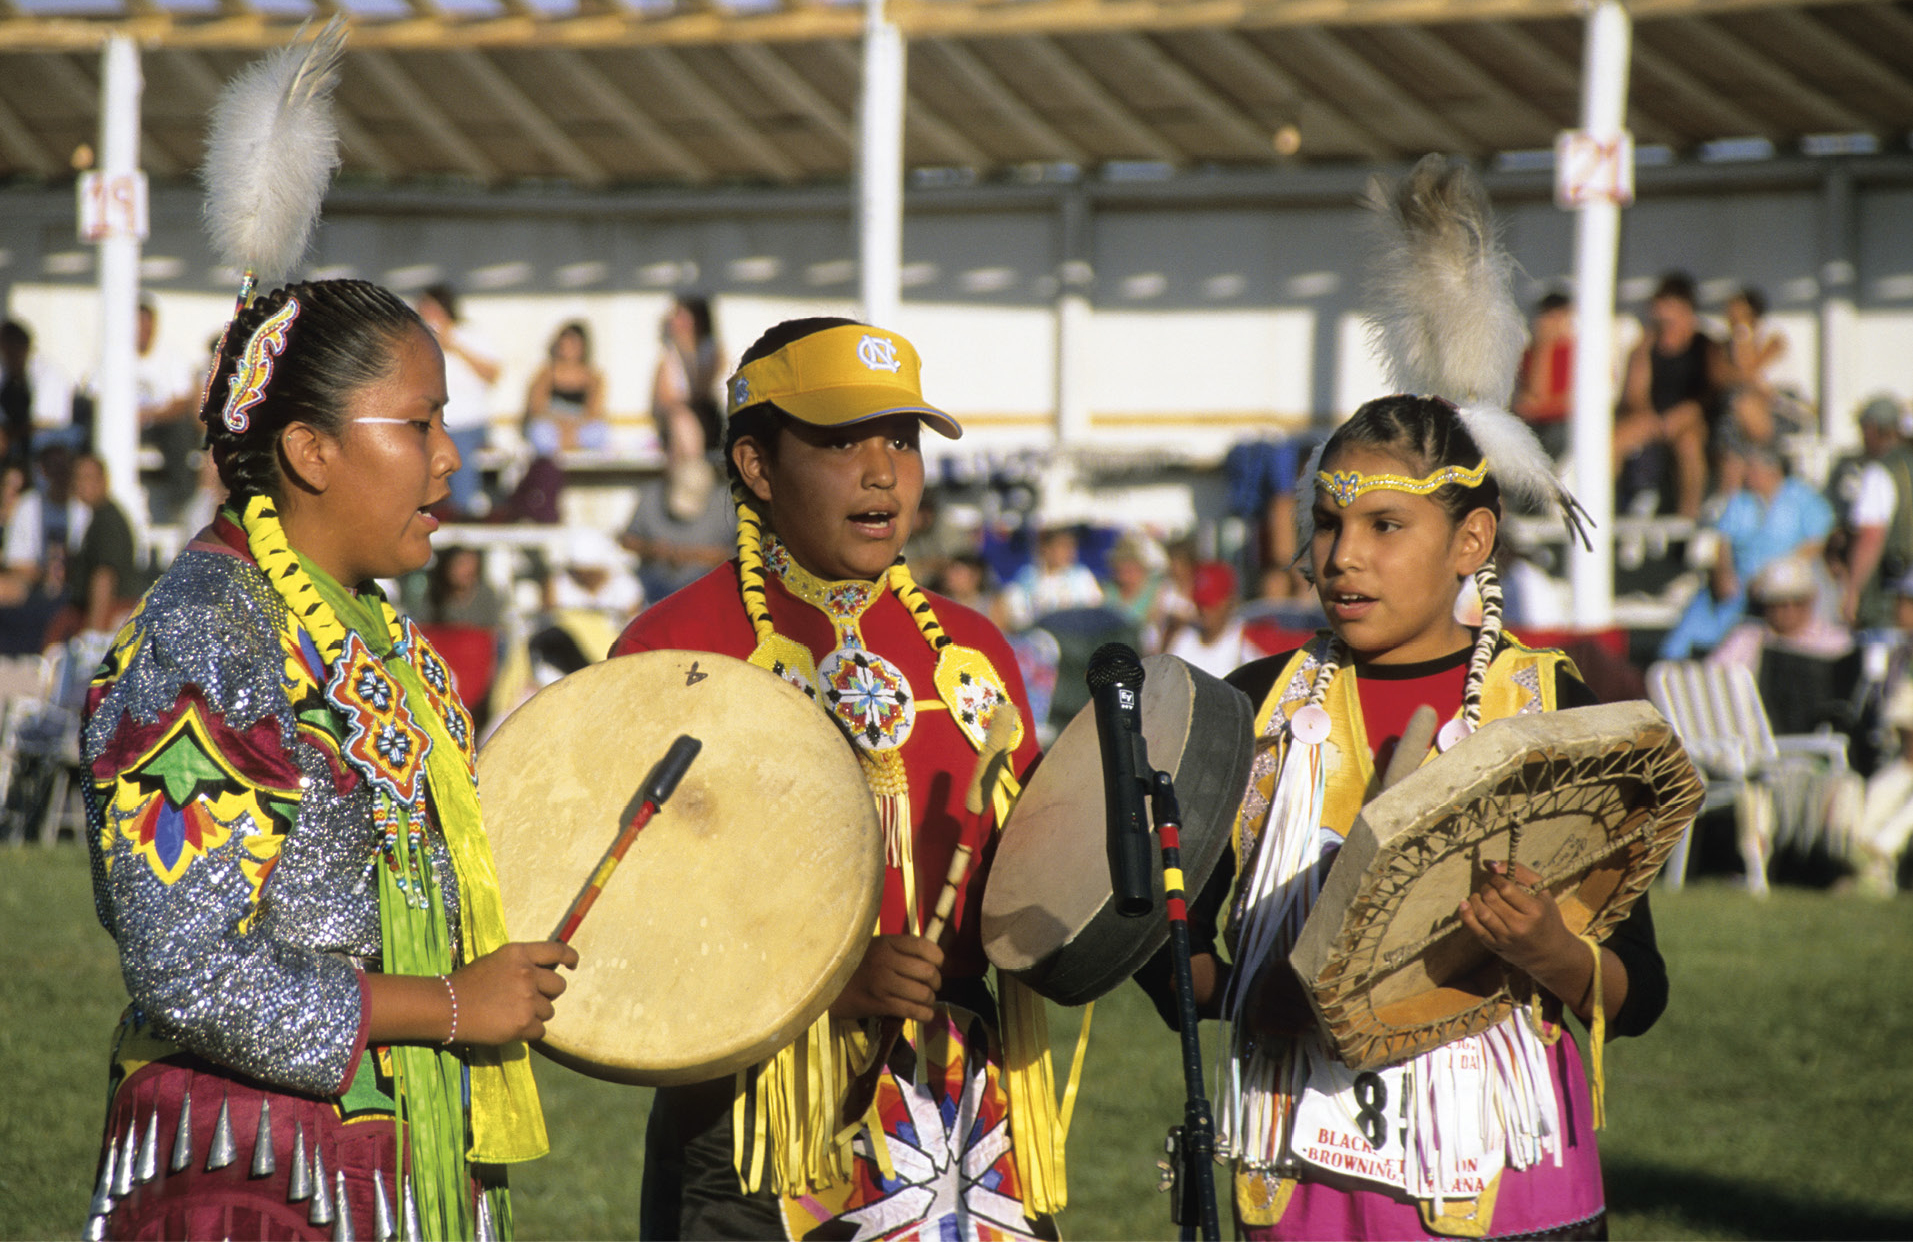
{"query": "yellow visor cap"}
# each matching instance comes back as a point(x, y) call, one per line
point(839, 376)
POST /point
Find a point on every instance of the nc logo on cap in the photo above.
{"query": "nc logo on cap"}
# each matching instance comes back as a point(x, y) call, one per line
point(878, 354)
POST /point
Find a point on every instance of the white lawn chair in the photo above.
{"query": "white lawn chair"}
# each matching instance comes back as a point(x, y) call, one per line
point(1792, 788)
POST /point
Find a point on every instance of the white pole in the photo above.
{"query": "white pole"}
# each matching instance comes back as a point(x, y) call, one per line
point(1597, 236)
point(880, 169)
point(115, 411)
point(1073, 314)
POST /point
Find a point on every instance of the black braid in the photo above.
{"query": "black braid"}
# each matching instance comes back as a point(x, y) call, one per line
point(345, 337)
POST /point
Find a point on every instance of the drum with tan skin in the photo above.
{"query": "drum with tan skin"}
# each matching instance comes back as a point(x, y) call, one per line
point(1049, 917)
point(744, 905)
point(1593, 799)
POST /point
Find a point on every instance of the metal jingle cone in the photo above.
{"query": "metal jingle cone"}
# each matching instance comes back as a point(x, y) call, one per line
point(321, 1213)
point(487, 1227)
point(263, 1164)
point(149, 1148)
point(129, 1154)
point(95, 1229)
point(342, 1230)
point(103, 1193)
point(412, 1232)
point(183, 1138)
point(223, 1151)
point(301, 1180)
point(384, 1226)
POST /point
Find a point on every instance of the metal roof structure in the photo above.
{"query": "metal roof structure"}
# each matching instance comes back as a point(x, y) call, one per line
point(613, 93)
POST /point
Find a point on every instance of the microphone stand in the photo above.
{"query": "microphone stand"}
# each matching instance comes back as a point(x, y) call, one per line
point(1191, 1145)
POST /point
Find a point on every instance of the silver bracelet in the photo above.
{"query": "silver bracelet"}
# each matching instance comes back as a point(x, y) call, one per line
point(453, 993)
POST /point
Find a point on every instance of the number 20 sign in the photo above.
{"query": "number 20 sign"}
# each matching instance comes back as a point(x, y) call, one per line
point(1590, 168)
point(112, 207)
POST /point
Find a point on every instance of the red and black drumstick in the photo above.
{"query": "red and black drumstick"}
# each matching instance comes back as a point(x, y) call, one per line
point(658, 785)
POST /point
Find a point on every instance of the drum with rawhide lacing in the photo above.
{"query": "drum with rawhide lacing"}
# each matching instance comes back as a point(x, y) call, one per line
point(743, 906)
point(1593, 799)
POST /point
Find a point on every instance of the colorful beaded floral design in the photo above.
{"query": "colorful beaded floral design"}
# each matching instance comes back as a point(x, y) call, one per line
point(440, 688)
point(870, 695)
point(382, 738)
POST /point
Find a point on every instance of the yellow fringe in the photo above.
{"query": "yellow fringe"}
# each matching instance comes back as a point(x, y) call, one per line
point(1597, 1053)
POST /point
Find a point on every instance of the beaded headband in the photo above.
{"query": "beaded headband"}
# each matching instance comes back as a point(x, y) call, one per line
point(254, 370)
point(1347, 486)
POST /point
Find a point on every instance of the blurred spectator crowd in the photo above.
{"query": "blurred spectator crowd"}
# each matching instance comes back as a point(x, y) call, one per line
point(1761, 549)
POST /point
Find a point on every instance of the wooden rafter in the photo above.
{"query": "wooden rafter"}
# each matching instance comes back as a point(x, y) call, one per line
point(631, 121)
point(83, 96)
point(1233, 53)
point(1138, 139)
point(920, 118)
point(674, 76)
point(1222, 115)
point(21, 146)
point(1359, 78)
point(989, 92)
point(424, 115)
point(1506, 42)
point(617, 25)
point(1424, 45)
point(1878, 78)
point(773, 75)
point(528, 117)
point(1690, 98)
point(1762, 76)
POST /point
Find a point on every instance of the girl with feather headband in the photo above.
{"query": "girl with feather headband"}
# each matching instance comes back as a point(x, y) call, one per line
point(1490, 1135)
point(327, 1020)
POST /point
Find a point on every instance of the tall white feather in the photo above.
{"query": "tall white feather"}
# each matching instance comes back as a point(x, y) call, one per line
point(1445, 320)
point(1441, 288)
point(270, 154)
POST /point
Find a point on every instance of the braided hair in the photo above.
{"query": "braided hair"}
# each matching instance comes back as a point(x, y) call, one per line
point(346, 336)
point(1427, 432)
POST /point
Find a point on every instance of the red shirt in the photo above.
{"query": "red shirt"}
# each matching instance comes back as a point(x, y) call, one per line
point(1390, 693)
point(708, 615)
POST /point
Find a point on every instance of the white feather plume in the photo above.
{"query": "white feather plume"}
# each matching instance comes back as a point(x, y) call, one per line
point(270, 154)
point(1440, 288)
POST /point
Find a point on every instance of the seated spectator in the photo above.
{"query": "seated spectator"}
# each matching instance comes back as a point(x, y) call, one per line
point(966, 580)
point(1774, 515)
point(456, 592)
point(564, 408)
point(45, 530)
point(1214, 642)
point(1669, 401)
point(1753, 348)
point(168, 391)
point(1874, 544)
point(685, 526)
point(102, 573)
point(36, 398)
point(471, 368)
point(589, 600)
point(935, 540)
point(1544, 387)
point(1054, 582)
point(1886, 816)
point(685, 403)
point(1800, 660)
point(1138, 588)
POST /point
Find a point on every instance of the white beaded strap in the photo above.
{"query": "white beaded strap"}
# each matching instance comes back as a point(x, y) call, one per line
point(452, 992)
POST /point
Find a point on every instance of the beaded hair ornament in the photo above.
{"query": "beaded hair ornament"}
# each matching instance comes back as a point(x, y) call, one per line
point(270, 154)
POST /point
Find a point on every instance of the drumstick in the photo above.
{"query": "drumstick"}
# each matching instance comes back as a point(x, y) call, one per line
point(658, 785)
point(1416, 738)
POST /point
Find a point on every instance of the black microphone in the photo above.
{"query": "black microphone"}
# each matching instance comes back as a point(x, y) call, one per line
point(1115, 687)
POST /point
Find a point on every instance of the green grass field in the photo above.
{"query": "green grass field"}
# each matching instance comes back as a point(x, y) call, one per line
point(1775, 1099)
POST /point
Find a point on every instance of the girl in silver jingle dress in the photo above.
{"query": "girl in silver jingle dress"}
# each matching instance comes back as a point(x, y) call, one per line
point(285, 833)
